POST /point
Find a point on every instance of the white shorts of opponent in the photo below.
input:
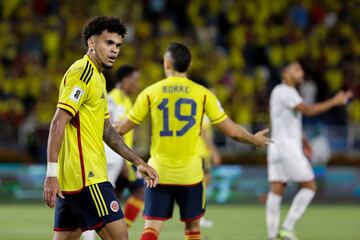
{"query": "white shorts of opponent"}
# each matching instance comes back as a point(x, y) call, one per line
point(288, 164)
point(114, 164)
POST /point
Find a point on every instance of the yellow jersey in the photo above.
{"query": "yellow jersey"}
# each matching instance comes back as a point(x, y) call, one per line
point(119, 105)
point(82, 158)
point(176, 106)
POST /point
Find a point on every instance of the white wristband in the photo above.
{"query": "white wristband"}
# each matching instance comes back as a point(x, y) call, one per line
point(51, 170)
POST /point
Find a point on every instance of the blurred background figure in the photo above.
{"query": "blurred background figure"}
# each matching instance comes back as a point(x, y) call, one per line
point(289, 155)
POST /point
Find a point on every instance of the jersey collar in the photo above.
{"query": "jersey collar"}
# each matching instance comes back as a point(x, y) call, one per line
point(91, 62)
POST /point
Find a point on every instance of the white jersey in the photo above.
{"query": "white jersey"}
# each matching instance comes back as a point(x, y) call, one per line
point(286, 160)
point(286, 127)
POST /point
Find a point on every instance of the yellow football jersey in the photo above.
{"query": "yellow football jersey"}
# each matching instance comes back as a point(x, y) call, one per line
point(82, 157)
point(176, 106)
point(119, 106)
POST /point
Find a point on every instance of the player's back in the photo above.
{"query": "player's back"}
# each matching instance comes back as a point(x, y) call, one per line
point(285, 120)
point(177, 106)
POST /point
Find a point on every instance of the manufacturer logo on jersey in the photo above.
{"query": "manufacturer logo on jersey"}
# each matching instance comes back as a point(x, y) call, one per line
point(76, 94)
point(114, 206)
point(91, 174)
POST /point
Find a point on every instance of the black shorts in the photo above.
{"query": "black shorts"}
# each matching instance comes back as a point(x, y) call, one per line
point(91, 208)
point(159, 201)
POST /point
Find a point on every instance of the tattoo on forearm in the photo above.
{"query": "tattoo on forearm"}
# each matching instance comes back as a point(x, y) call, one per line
point(116, 143)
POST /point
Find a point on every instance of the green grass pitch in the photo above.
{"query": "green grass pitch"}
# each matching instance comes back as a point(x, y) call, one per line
point(232, 222)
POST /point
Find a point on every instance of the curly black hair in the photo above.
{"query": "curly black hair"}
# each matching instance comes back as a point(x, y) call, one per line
point(98, 24)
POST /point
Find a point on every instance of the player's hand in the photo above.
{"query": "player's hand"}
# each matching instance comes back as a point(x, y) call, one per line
point(216, 158)
point(342, 97)
point(151, 176)
point(51, 189)
point(260, 140)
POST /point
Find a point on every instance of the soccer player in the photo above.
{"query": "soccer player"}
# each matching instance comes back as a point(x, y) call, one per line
point(286, 160)
point(76, 181)
point(176, 106)
point(119, 104)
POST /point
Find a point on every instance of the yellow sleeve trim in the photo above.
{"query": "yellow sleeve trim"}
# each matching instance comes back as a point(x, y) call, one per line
point(107, 115)
point(133, 119)
point(220, 119)
point(66, 107)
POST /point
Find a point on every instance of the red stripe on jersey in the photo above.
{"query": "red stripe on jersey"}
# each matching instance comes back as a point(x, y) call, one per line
point(75, 121)
point(202, 115)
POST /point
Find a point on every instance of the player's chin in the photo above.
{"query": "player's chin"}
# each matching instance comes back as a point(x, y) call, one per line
point(108, 65)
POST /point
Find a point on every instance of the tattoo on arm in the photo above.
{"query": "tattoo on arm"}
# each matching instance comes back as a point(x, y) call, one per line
point(116, 143)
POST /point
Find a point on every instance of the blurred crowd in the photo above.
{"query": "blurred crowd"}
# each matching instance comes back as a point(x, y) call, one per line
point(238, 46)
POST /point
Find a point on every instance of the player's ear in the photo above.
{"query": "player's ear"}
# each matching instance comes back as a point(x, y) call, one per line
point(91, 43)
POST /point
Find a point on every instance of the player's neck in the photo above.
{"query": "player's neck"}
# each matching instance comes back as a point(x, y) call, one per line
point(96, 62)
point(177, 74)
point(289, 82)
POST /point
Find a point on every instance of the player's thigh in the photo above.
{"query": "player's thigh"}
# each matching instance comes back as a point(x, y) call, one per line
point(116, 230)
point(67, 235)
point(159, 203)
point(298, 168)
point(191, 201)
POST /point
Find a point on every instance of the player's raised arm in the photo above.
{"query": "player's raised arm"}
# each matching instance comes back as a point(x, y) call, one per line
point(116, 143)
point(240, 134)
point(341, 98)
point(56, 134)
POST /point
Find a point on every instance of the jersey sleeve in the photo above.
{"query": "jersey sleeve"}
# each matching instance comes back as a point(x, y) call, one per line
point(213, 109)
point(141, 107)
point(73, 91)
point(291, 98)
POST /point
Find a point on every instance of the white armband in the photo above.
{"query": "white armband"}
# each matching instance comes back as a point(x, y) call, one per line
point(51, 170)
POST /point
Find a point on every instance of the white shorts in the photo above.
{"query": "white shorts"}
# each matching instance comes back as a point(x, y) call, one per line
point(289, 166)
point(114, 164)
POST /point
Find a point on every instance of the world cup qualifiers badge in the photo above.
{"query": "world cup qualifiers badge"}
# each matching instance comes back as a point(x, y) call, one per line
point(114, 206)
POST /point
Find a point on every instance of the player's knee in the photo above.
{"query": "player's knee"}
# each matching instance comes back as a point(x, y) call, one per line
point(73, 235)
point(192, 226)
point(309, 185)
point(124, 235)
point(277, 188)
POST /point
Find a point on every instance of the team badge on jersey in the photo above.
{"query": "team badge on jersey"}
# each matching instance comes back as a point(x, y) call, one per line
point(76, 94)
point(114, 206)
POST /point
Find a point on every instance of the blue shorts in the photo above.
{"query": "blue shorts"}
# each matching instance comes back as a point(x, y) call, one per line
point(91, 208)
point(159, 201)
